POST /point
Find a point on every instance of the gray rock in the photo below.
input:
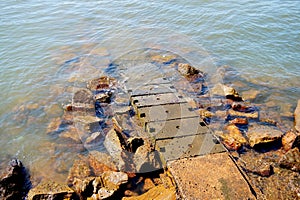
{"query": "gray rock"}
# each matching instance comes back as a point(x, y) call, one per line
point(113, 146)
point(83, 96)
point(146, 160)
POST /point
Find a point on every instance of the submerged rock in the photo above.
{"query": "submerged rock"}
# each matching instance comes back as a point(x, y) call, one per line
point(14, 182)
point(228, 92)
point(297, 117)
point(291, 160)
point(83, 96)
point(101, 83)
point(187, 70)
point(261, 134)
point(233, 139)
point(51, 190)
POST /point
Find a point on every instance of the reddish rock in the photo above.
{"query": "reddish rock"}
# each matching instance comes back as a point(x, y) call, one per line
point(239, 121)
point(290, 140)
point(252, 115)
point(79, 170)
point(291, 160)
point(297, 117)
point(233, 139)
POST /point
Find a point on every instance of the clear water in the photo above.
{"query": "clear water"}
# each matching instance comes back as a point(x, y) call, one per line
point(47, 45)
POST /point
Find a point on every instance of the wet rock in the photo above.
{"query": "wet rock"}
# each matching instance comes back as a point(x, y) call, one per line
point(228, 92)
point(94, 138)
point(71, 135)
point(113, 146)
point(297, 117)
point(250, 94)
point(290, 140)
point(80, 107)
point(261, 134)
point(54, 125)
point(165, 59)
point(84, 187)
point(233, 139)
point(158, 193)
point(146, 160)
point(51, 190)
point(101, 162)
point(239, 121)
point(234, 113)
point(104, 96)
point(80, 170)
point(259, 167)
point(243, 107)
point(186, 69)
point(101, 83)
point(83, 96)
point(14, 182)
point(291, 160)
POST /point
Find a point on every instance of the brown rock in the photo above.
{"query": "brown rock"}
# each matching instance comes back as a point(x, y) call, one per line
point(261, 134)
point(113, 180)
point(101, 162)
point(80, 107)
point(239, 121)
point(228, 92)
point(51, 190)
point(186, 70)
point(297, 117)
point(101, 83)
point(163, 58)
point(250, 94)
point(290, 140)
point(158, 193)
point(291, 160)
point(148, 184)
point(71, 136)
point(233, 139)
point(83, 96)
point(104, 96)
point(253, 115)
point(79, 170)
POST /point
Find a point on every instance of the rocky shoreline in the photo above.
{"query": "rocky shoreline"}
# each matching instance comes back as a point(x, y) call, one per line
point(119, 160)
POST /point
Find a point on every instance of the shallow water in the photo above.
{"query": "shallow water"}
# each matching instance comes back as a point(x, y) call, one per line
point(48, 47)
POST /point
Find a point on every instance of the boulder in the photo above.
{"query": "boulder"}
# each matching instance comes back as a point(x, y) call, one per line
point(51, 190)
point(262, 134)
point(290, 140)
point(113, 146)
point(80, 170)
point(291, 160)
point(112, 180)
point(297, 117)
point(104, 96)
point(14, 182)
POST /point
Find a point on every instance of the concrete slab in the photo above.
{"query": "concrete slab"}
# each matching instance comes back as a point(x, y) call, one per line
point(166, 112)
point(158, 99)
point(213, 176)
point(176, 128)
point(188, 146)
